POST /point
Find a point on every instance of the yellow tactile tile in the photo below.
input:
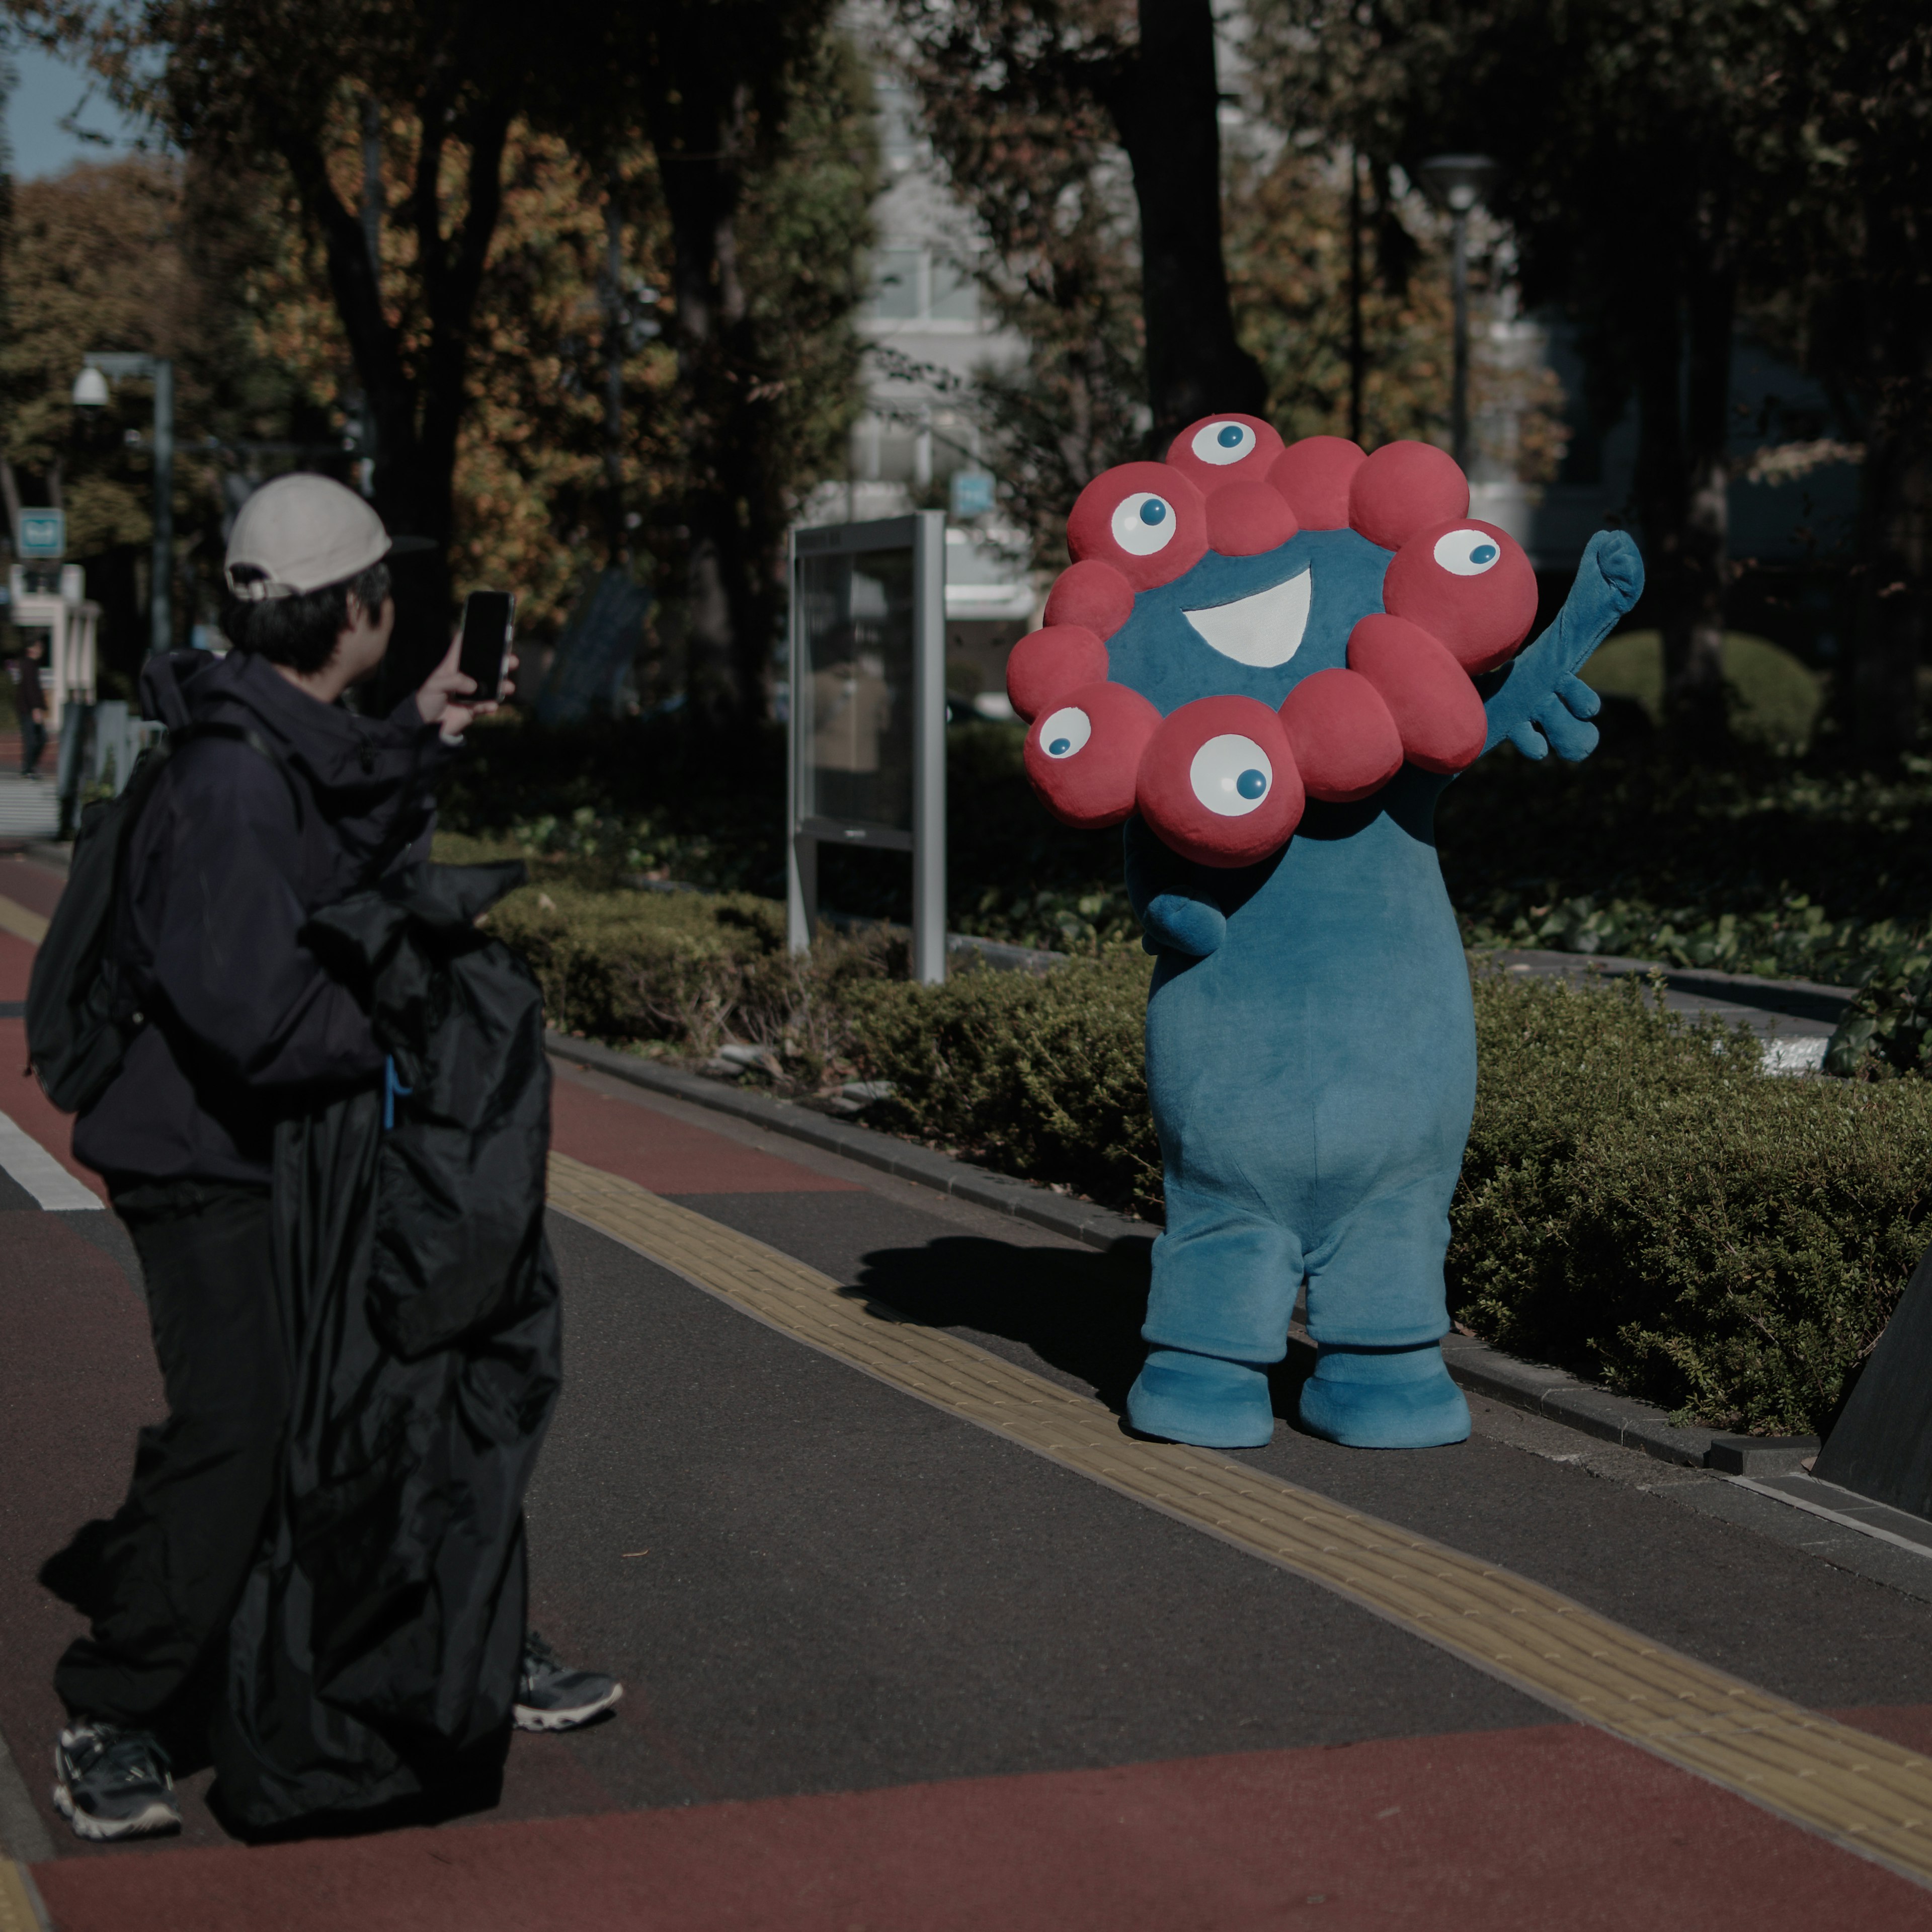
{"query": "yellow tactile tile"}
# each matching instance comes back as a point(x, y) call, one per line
point(17, 1909)
point(22, 924)
point(1867, 1793)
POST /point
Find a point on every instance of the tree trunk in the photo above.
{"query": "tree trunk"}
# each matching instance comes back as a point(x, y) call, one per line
point(1682, 488)
point(417, 413)
point(1165, 103)
point(698, 134)
point(1895, 546)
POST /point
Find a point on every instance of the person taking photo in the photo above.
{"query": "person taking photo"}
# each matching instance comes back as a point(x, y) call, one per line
point(244, 837)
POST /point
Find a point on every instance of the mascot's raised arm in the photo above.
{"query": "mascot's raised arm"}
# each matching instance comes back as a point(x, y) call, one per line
point(1267, 662)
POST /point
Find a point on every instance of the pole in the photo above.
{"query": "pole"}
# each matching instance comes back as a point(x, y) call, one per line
point(160, 603)
point(614, 378)
point(1357, 348)
point(928, 757)
point(372, 211)
point(1459, 421)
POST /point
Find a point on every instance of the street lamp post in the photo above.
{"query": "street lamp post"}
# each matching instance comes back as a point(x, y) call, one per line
point(90, 392)
point(1458, 183)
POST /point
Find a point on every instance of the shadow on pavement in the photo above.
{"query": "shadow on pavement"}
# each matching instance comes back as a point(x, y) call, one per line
point(1079, 1313)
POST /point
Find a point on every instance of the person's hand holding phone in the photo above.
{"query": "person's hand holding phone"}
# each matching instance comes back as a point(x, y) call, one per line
point(478, 658)
point(443, 700)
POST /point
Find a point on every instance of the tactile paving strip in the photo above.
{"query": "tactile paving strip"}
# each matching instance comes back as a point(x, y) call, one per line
point(1867, 1793)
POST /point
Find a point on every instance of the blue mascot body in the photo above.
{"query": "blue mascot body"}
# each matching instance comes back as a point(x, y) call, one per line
point(1267, 663)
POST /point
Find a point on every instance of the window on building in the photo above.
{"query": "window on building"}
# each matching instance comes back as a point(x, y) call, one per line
point(895, 285)
point(955, 295)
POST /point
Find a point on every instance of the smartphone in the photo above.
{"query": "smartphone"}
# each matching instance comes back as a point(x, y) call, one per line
point(488, 616)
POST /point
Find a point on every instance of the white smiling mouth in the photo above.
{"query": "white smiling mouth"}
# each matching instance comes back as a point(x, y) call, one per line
point(1264, 630)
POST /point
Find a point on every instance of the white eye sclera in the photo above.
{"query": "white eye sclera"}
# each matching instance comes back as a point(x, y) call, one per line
point(1230, 775)
point(1144, 524)
point(1467, 553)
point(1065, 731)
point(1222, 442)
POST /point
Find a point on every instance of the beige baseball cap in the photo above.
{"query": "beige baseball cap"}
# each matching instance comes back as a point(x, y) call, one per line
point(301, 532)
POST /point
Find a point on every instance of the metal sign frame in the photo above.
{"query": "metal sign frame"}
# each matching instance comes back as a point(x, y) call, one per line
point(923, 534)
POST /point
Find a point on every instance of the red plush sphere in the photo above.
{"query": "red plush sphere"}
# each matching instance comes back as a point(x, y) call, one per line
point(1344, 740)
point(1436, 709)
point(1146, 519)
point(1220, 450)
point(1218, 782)
point(1468, 583)
point(1313, 477)
point(1405, 487)
point(1045, 664)
point(1084, 755)
point(1094, 595)
point(1244, 519)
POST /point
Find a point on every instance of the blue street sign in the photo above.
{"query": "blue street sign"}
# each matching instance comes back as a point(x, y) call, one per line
point(43, 533)
point(972, 493)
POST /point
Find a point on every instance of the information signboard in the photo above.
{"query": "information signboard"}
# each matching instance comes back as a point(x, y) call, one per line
point(42, 534)
point(867, 763)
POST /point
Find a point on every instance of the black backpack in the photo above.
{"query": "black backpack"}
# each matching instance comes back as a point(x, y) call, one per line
point(82, 1015)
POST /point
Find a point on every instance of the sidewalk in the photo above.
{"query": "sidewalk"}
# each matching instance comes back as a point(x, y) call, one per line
point(891, 1664)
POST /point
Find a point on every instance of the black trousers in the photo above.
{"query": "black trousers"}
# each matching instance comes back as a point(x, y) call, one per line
point(33, 743)
point(172, 1562)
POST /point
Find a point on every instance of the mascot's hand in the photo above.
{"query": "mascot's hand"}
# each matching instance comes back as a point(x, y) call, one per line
point(1541, 701)
point(1174, 918)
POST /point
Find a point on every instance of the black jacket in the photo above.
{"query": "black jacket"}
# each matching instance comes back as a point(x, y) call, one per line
point(224, 871)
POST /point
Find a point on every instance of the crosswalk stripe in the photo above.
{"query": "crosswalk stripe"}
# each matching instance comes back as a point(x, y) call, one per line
point(1867, 1794)
point(36, 1170)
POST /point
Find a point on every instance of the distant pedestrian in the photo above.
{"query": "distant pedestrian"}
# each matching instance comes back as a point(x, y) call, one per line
point(32, 700)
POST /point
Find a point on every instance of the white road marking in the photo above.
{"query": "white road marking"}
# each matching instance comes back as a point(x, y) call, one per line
point(29, 1163)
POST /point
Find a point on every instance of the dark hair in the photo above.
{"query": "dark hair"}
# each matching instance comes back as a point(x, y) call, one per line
point(301, 630)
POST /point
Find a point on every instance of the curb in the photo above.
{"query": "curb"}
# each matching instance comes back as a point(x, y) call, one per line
point(1026, 1201)
point(1554, 1392)
point(1591, 1410)
point(1799, 999)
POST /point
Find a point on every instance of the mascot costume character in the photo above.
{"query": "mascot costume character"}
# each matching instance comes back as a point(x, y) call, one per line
point(1267, 662)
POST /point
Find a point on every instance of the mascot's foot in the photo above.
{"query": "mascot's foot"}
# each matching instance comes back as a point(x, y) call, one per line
point(1201, 1400)
point(1384, 1399)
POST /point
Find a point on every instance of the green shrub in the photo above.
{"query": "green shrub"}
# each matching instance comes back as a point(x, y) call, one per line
point(692, 969)
point(1773, 697)
point(1639, 1204)
point(1887, 1028)
point(1041, 1075)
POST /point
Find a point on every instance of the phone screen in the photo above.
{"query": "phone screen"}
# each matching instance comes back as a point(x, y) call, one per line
point(486, 618)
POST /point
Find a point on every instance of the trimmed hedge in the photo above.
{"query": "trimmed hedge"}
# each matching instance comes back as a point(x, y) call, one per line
point(1639, 1203)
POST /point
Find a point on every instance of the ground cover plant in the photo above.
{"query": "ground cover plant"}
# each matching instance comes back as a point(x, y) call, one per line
point(1639, 1203)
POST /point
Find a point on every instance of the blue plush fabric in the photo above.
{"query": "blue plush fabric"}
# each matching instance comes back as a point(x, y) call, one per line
point(1311, 1047)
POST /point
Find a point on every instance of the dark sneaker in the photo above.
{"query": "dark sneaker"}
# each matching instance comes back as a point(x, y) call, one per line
point(113, 1783)
point(551, 1697)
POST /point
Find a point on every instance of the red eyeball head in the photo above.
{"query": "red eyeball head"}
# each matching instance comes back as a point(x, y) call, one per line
point(1405, 487)
point(1220, 450)
point(1144, 519)
point(1343, 739)
point(1470, 585)
point(1045, 664)
point(1094, 596)
point(1436, 711)
point(1313, 478)
point(1218, 782)
point(1084, 755)
point(1245, 519)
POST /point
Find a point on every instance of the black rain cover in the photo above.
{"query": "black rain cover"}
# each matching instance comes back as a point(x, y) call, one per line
point(374, 1654)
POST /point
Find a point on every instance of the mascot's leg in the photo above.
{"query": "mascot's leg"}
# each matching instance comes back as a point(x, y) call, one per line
point(1224, 1281)
point(1377, 1311)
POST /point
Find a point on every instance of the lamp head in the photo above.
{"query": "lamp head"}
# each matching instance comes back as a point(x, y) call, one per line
point(90, 390)
point(1458, 182)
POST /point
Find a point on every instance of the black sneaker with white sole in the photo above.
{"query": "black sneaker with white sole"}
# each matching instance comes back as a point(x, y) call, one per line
point(551, 1697)
point(110, 1782)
